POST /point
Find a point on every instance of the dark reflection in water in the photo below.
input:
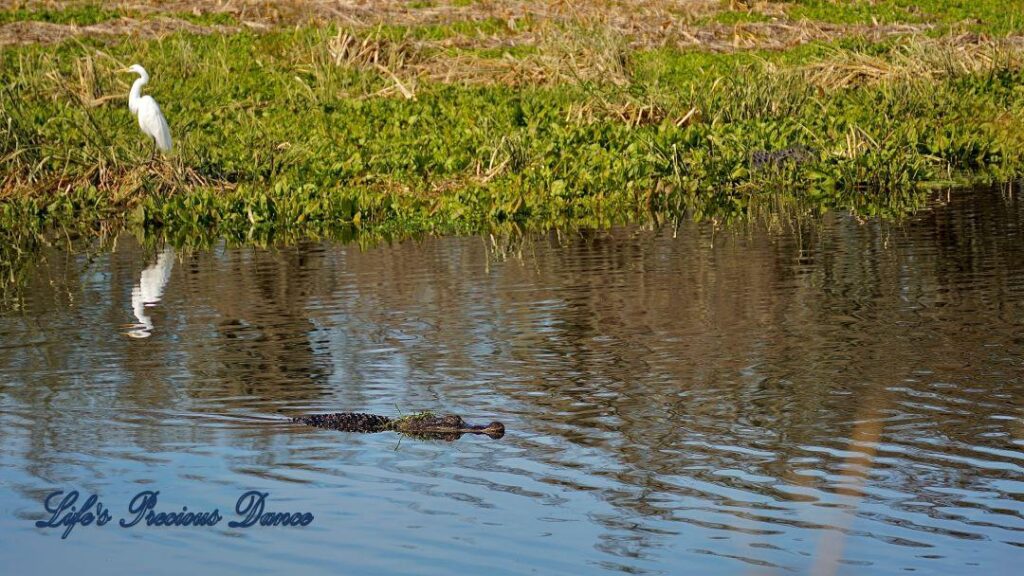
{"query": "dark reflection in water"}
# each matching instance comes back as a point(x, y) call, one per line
point(838, 397)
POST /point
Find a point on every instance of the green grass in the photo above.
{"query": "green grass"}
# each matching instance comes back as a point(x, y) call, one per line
point(738, 17)
point(999, 17)
point(206, 18)
point(274, 138)
point(485, 27)
point(89, 14)
point(84, 15)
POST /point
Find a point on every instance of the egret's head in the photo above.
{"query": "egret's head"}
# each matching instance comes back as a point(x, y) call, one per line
point(138, 69)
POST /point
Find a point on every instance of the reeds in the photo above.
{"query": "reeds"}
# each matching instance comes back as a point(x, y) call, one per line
point(919, 60)
point(547, 118)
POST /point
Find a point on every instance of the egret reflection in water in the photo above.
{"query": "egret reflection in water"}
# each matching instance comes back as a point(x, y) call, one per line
point(149, 291)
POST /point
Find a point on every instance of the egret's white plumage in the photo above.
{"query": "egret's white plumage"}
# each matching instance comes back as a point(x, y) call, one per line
point(151, 120)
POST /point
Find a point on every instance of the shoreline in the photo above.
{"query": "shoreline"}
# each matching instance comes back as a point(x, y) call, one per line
point(545, 120)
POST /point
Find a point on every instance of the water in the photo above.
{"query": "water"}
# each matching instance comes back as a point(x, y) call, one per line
point(838, 397)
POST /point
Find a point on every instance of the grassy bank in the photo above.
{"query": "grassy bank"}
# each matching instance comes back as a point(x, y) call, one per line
point(449, 117)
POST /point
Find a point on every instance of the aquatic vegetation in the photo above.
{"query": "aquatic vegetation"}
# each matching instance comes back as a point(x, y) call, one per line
point(460, 125)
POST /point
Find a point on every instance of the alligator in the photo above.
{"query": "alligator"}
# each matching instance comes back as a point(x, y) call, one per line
point(797, 155)
point(422, 425)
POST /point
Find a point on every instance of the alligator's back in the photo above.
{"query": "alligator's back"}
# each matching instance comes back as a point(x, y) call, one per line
point(347, 421)
point(424, 424)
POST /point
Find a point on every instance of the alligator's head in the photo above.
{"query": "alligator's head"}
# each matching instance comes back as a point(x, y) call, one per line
point(447, 427)
point(494, 429)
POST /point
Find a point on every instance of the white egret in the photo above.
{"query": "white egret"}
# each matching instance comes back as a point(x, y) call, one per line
point(151, 120)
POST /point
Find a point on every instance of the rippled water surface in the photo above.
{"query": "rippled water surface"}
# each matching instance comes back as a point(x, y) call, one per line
point(843, 396)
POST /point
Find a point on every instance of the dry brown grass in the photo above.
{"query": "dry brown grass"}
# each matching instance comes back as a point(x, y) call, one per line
point(645, 23)
point(773, 35)
point(917, 60)
point(581, 50)
point(47, 32)
point(562, 55)
point(627, 14)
